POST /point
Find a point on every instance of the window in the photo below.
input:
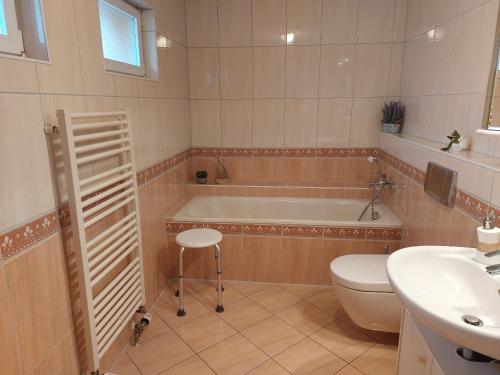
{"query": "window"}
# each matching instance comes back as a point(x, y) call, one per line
point(11, 40)
point(121, 37)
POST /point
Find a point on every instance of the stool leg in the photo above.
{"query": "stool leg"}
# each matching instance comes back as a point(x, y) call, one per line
point(180, 311)
point(219, 307)
point(222, 286)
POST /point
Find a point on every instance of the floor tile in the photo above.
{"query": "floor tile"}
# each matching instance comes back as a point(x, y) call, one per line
point(273, 335)
point(159, 353)
point(275, 298)
point(168, 296)
point(304, 291)
point(204, 332)
point(208, 296)
point(343, 339)
point(349, 370)
point(305, 317)
point(269, 368)
point(247, 288)
point(192, 365)
point(155, 328)
point(328, 301)
point(378, 360)
point(244, 313)
point(125, 366)
point(308, 357)
point(168, 312)
point(234, 356)
point(192, 285)
point(376, 335)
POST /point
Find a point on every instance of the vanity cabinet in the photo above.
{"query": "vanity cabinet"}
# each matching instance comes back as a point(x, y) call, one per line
point(424, 352)
point(414, 357)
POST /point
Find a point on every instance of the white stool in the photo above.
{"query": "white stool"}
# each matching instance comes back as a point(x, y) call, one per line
point(195, 239)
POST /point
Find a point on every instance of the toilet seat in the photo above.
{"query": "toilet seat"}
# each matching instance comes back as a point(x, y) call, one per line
point(363, 272)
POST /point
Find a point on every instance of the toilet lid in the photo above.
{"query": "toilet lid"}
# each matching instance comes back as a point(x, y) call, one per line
point(365, 272)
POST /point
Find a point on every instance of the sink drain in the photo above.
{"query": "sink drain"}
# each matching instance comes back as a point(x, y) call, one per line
point(472, 320)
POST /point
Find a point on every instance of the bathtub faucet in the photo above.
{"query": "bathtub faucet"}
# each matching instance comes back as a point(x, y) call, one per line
point(377, 187)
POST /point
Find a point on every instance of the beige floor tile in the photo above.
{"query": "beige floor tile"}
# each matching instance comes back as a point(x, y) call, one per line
point(349, 370)
point(378, 360)
point(275, 298)
point(168, 296)
point(305, 317)
point(376, 335)
point(168, 312)
point(125, 366)
point(269, 368)
point(159, 354)
point(273, 335)
point(192, 285)
point(244, 313)
point(208, 296)
point(247, 288)
point(234, 356)
point(204, 332)
point(343, 339)
point(304, 291)
point(191, 366)
point(328, 301)
point(308, 357)
point(155, 328)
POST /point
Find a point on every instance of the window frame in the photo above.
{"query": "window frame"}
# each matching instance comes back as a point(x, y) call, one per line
point(12, 43)
point(118, 66)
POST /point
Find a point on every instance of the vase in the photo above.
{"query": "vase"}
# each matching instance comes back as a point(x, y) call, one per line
point(392, 128)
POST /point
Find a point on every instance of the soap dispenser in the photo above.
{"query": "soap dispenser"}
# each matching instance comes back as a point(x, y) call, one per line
point(488, 236)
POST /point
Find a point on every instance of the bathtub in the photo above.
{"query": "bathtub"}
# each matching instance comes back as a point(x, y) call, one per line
point(286, 211)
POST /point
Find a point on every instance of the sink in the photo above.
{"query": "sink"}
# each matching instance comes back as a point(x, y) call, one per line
point(440, 285)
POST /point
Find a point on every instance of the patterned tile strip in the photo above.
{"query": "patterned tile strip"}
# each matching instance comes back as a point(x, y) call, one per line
point(299, 153)
point(356, 233)
point(26, 235)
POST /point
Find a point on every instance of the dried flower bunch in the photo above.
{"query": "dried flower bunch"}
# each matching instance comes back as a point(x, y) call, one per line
point(393, 113)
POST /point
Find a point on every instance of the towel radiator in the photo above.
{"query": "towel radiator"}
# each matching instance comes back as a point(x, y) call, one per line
point(105, 223)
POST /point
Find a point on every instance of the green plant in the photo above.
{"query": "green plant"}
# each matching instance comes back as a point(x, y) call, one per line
point(454, 137)
point(393, 112)
point(201, 174)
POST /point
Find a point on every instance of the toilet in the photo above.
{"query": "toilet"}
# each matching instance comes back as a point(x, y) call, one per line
point(365, 293)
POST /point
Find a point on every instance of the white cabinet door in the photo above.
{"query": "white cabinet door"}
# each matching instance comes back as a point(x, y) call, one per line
point(414, 355)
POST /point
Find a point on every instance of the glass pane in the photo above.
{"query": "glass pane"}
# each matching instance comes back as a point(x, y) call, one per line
point(3, 23)
point(120, 35)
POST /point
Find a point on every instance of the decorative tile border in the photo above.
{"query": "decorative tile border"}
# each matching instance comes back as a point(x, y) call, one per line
point(26, 235)
point(329, 232)
point(296, 153)
point(471, 205)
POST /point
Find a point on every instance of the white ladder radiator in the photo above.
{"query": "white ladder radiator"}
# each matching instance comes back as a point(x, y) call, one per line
point(102, 192)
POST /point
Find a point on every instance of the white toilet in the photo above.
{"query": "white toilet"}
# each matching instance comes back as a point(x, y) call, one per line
point(365, 293)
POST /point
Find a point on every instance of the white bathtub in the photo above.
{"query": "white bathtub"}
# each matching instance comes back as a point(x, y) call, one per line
point(263, 210)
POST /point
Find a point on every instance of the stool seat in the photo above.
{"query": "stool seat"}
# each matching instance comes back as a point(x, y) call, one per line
point(197, 238)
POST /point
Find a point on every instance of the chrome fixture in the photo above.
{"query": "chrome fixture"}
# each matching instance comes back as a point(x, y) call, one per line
point(494, 269)
point(380, 183)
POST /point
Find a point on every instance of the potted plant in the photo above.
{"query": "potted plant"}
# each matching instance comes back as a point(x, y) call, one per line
point(201, 177)
point(393, 114)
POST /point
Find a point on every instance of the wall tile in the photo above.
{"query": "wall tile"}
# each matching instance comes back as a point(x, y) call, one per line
point(205, 123)
point(365, 128)
point(301, 119)
point(304, 21)
point(173, 72)
point(171, 15)
point(339, 21)
point(236, 118)
point(18, 76)
point(302, 71)
point(235, 23)
point(337, 71)
point(63, 74)
point(334, 122)
point(236, 73)
point(396, 70)
point(269, 72)
point(269, 22)
point(38, 279)
point(375, 21)
point(201, 23)
point(203, 73)
point(372, 69)
point(268, 122)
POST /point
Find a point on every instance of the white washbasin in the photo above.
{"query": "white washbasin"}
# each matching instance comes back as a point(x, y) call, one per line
point(441, 284)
